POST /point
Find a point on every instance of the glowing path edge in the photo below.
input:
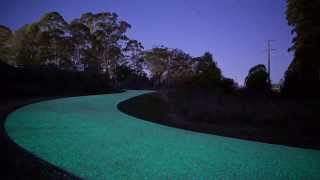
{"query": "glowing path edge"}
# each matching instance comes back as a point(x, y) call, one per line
point(90, 138)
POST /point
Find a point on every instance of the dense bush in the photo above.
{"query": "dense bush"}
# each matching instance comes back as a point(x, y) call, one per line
point(130, 79)
point(48, 81)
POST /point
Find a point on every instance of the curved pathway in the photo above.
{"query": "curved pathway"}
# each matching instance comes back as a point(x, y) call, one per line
point(90, 138)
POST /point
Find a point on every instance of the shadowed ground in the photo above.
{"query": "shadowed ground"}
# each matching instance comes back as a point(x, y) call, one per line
point(90, 138)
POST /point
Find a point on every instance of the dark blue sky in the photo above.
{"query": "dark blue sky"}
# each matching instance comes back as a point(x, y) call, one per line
point(235, 31)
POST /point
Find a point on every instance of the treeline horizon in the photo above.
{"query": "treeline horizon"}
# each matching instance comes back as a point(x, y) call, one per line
point(98, 43)
point(95, 43)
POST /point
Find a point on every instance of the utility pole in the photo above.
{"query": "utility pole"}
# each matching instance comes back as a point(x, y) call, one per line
point(269, 59)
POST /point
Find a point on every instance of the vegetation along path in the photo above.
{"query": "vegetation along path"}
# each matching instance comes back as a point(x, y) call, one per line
point(90, 138)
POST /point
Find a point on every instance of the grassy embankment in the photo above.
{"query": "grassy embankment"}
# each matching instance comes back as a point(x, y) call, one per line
point(267, 119)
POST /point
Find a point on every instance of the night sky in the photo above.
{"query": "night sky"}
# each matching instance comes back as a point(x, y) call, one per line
point(234, 31)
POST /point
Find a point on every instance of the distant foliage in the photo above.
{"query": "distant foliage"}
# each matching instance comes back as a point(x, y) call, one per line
point(174, 68)
point(257, 79)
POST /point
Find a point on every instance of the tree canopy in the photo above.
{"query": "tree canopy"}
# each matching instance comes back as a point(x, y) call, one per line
point(303, 74)
point(93, 42)
point(5, 47)
point(257, 79)
point(97, 43)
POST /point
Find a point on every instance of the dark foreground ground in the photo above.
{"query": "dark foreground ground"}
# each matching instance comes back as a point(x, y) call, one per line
point(275, 121)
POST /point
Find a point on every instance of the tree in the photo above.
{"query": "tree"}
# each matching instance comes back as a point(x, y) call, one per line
point(58, 44)
point(158, 60)
point(257, 79)
point(167, 65)
point(107, 39)
point(5, 34)
point(26, 45)
point(180, 67)
point(5, 44)
point(175, 66)
point(303, 74)
point(81, 39)
point(207, 73)
point(134, 50)
point(96, 42)
point(44, 42)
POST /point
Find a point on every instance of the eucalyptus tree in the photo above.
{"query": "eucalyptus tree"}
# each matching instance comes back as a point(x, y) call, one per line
point(107, 39)
point(158, 61)
point(81, 39)
point(56, 32)
point(134, 51)
point(168, 65)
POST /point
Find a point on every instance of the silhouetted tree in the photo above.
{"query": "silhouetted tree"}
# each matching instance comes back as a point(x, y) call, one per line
point(303, 74)
point(208, 75)
point(257, 79)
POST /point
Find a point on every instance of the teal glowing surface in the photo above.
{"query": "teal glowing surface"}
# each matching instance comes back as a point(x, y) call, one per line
point(88, 137)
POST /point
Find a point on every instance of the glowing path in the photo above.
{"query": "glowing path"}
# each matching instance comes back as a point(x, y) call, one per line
point(88, 137)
